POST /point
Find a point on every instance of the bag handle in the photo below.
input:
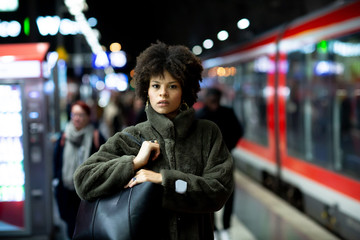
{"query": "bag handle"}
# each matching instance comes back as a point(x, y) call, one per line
point(134, 139)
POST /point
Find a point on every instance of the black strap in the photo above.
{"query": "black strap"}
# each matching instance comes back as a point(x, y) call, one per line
point(134, 139)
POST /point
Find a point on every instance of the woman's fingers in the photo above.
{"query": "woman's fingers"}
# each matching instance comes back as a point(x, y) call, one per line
point(144, 176)
point(156, 150)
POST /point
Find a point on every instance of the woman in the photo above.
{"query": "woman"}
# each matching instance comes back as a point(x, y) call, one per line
point(186, 156)
point(79, 140)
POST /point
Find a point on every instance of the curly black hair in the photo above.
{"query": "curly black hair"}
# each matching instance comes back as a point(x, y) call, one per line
point(178, 60)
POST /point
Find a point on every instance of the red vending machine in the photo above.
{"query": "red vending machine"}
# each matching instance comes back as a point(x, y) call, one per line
point(25, 151)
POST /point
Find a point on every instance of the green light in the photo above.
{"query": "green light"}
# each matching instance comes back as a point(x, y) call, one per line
point(27, 26)
point(322, 46)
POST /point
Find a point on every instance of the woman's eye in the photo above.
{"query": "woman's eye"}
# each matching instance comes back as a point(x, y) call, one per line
point(173, 86)
point(155, 85)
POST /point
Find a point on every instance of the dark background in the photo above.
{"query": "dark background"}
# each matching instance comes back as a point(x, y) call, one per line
point(137, 24)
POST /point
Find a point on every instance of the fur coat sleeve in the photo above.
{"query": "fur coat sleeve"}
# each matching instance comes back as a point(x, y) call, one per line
point(107, 170)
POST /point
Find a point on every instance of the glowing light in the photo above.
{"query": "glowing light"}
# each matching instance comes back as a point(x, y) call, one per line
point(346, 49)
point(92, 22)
point(243, 23)
point(68, 27)
point(100, 85)
point(197, 50)
point(10, 29)
point(48, 25)
point(208, 43)
point(101, 60)
point(29, 69)
point(118, 59)
point(264, 65)
point(223, 35)
point(104, 98)
point(9, 5)
point(118, 81)
point(115, 47)
point(27, 26)
point(328, 68)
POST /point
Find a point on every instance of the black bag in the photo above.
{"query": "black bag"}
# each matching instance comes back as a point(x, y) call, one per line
point(134, 213)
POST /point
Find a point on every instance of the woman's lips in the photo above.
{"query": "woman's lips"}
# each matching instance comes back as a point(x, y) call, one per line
point(163, 103)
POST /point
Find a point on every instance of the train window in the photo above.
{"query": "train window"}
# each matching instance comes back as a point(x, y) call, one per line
point(323, 107)
point(250, 102)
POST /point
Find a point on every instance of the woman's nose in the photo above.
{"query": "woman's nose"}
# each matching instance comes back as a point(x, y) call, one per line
point(163, 92)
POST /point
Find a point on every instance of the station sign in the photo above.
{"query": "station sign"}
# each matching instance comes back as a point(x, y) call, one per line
point(46, 25)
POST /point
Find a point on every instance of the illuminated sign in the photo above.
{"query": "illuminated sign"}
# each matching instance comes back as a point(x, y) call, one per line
point(52, 25)
point(29, 69)
point(47, 25)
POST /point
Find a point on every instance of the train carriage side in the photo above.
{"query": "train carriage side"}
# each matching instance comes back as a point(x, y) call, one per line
point(297, 92)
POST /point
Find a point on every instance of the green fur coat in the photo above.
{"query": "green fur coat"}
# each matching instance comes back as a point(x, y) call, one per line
point(191, 150)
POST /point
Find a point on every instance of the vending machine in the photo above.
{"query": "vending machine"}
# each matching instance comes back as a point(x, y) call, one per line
point(25, 150)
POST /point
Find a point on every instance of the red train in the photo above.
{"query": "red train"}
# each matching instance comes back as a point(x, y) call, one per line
point(296, 90)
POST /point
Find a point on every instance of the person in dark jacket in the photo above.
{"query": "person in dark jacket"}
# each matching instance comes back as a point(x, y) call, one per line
point(78, 141)
point(186, 156)
point(232, 130)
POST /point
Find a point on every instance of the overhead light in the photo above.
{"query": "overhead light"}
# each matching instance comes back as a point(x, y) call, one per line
point(223, 35)
point(76, 8)
point(197, 50)
point(243, 23)
point(208, 43)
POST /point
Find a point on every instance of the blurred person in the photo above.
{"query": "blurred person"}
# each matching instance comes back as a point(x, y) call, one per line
point(113, 115)
point(78, 141)
point(139, 108)
point(232, 131)
point(186, 156)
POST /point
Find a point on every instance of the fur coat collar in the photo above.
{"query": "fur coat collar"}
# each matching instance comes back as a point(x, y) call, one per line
point(169, 129)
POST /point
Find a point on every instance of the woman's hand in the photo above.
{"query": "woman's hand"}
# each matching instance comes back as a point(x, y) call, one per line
point(144, 175)
point(144, 154)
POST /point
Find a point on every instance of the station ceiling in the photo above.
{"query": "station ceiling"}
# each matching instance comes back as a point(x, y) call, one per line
point(137, 24)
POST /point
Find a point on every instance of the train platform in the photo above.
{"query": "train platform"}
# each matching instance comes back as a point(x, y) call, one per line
point(261, 215)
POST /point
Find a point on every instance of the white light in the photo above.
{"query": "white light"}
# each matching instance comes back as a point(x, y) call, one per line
point(101, 60)
point(29, 69)
point(116, 81)
point(208, 43)
point(122, 84)
point(104, 98)
point(68, 27)
point(7, 59)
point(52, 58)
point(346, 49)
point(223, 35)
point(100, 85)
point(243, 23)
point(76, 6)
point(118, 59)
point(14, 28)
point(10, 29)
point(197, 50)
point(9, 5)
point(48, 25)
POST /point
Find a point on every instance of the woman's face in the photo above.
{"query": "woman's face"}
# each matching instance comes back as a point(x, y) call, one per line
point(79, 117)
point(165, 95)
